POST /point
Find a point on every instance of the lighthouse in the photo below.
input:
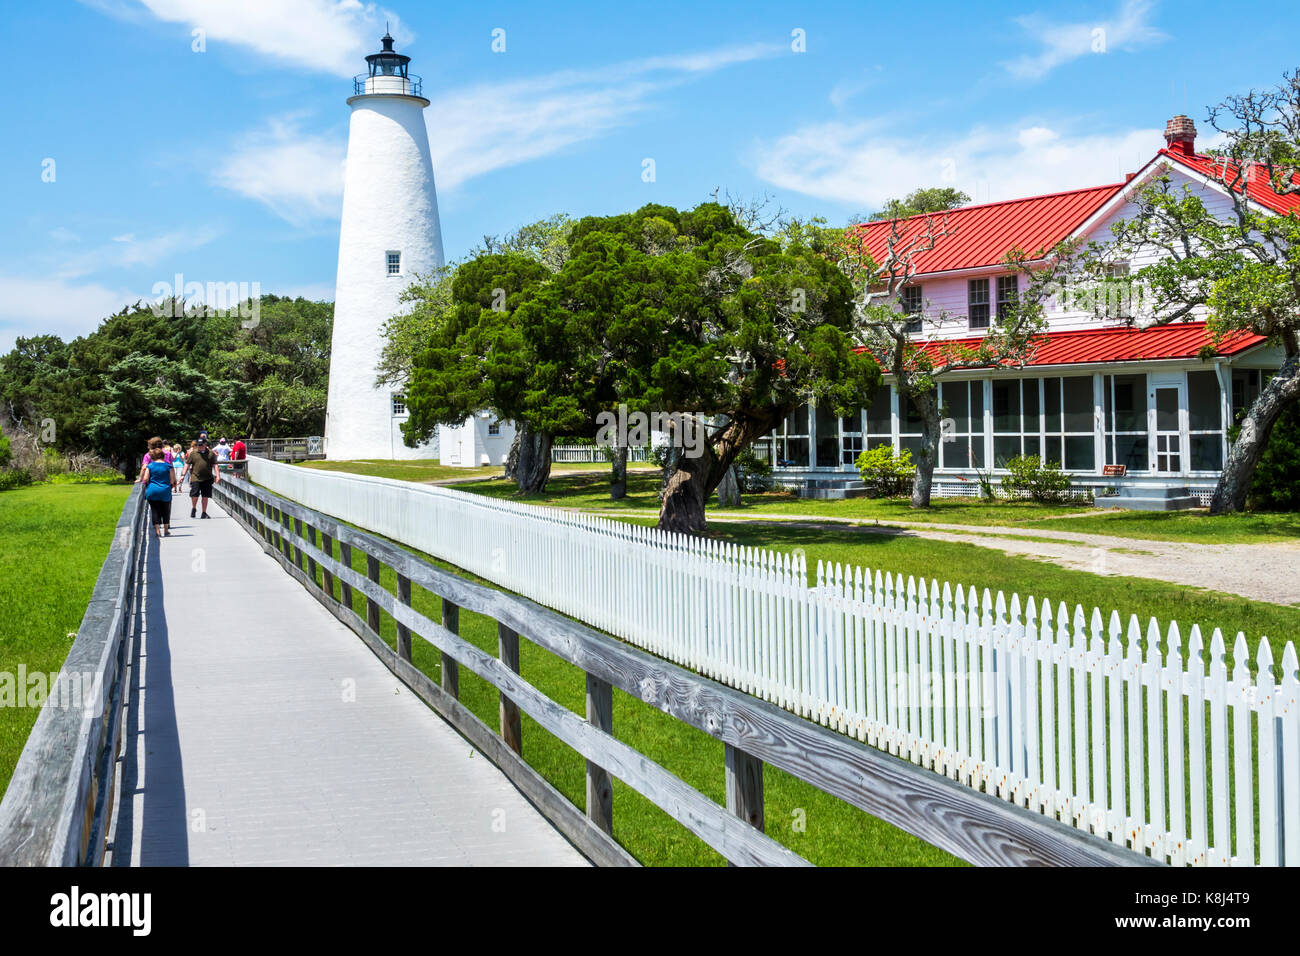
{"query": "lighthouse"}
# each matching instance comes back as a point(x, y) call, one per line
point(389, 232)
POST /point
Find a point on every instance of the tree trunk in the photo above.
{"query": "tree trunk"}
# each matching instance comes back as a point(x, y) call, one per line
point(689, 480)
point(729, 489)
point(685, 490)
point(927, 403)
point(532, 467)
point(618, 473)
point(1282, 390)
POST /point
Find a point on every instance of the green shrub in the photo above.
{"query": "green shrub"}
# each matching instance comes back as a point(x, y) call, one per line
point(13, 478)
point(1275, 485)
point(753, 472)
point(1042, 481)
point(6, 451)
point(886, 475)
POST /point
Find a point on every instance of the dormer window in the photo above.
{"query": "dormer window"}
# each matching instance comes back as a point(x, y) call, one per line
point(1008, 295)
point(977, 303)
point(394, 260)
point(911, 301)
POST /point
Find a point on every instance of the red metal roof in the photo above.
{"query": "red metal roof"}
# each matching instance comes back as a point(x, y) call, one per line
point(982, 235)
point(1181, 341)
point(1258, 187)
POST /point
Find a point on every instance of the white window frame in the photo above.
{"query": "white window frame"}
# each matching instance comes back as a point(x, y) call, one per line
point(388, 262)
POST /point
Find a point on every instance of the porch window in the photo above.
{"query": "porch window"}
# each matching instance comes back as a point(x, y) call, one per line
point(792, 439)
point(1068, 418)
point(880, 418)
point(962, 444)
point(909, 426)
point(1125, 404)
point(1017, 428)
point(1204, 422)
point(851, 439)
point(828, 437)
point(1245, 389)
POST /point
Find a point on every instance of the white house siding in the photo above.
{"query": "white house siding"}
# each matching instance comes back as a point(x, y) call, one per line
point(471, 444)
point(944, 295)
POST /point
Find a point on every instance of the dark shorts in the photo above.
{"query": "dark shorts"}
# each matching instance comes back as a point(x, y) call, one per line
point(203, 488)
point(162, 511)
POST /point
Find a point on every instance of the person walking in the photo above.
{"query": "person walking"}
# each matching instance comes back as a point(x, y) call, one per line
point(159, 479)
point(201, 467)
point(178, 464)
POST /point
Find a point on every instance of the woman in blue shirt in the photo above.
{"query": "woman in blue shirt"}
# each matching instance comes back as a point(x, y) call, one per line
point(159, 480)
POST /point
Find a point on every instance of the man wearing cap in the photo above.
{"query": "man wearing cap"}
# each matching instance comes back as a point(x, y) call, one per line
point(201, 466)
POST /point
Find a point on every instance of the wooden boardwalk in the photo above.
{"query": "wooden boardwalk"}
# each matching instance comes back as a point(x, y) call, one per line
point(262, 731)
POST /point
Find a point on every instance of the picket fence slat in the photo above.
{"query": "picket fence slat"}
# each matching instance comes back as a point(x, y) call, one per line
point(1075, 715)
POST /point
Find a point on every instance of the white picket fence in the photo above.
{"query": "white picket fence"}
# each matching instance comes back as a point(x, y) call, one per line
point(594, 453)
point(1079, 717)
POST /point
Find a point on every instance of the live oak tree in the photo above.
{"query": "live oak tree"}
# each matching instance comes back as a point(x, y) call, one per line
point(149, 395)
point(733, 330)
point(1243, 271)
point(477, 356)
point(921, 201)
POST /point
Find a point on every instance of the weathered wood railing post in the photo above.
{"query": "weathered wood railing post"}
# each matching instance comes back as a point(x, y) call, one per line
point(450, 669)
point(311, 562)
point(600, 785)
point(297, 550)
point(745, 786)
point(372, 606)
point(403, 632)
point(345, 556)
point(511, 723)
point(327, 545)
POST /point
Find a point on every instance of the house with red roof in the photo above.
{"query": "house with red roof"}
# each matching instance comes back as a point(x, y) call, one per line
point(1113, 404)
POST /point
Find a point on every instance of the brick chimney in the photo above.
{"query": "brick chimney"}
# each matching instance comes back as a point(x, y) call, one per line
point(1180, 134)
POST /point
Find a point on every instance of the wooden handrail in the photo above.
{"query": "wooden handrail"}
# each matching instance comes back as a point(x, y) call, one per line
point(60, 797)
point(977, 827)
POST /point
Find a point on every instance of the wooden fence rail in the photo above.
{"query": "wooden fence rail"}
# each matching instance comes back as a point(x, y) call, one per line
point(975, 826)
point(60, 798)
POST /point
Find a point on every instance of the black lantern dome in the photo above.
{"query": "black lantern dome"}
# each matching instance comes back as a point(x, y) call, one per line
point(387, 62)
point(388, 73)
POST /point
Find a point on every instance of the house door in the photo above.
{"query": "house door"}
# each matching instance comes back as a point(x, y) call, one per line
point(1167, 445)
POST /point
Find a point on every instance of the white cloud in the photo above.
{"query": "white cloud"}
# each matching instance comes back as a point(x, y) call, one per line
point(43, 306)
point(299, 175)
point(475, 130)
point(126, 251)
point(1060, 42)
point(332, 36)
point(865, 164)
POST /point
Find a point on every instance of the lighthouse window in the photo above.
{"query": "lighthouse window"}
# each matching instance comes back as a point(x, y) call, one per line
point(494, 428)
point(394, 263)
point(399, 404)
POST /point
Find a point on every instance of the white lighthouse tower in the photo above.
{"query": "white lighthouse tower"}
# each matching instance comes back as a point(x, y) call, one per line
point(389, 232)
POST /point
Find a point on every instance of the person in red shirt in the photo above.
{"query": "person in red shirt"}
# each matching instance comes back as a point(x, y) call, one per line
point(239, 452)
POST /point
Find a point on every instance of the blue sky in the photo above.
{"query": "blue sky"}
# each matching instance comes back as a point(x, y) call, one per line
point(225, 164)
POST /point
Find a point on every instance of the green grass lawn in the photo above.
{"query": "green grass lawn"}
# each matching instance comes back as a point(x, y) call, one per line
point(55, 538)
point(592, 492)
